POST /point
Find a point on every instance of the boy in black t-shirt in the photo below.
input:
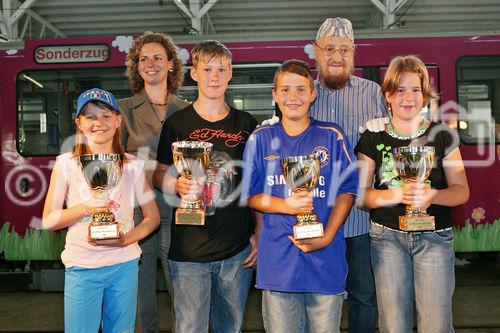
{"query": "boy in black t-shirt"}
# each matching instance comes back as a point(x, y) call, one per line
point(211, 263)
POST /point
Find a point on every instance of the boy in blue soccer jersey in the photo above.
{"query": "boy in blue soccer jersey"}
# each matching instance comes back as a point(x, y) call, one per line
point(303, 281)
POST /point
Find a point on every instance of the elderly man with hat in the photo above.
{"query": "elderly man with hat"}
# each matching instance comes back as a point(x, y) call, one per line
point(349, 101)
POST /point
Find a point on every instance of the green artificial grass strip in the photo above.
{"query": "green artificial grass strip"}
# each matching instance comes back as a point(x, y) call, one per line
point(34, 245)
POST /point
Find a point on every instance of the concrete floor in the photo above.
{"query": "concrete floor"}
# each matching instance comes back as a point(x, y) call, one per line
point(476, 303)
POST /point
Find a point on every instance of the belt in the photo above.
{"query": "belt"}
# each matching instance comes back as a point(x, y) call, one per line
point(409, 232)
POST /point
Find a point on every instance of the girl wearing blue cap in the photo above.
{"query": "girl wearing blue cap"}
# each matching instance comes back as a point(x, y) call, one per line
point(101, 275)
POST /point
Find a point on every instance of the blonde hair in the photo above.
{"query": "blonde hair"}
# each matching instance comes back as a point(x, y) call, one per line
point(81, 147)
point(174, 78)
point(208, 50)
point(407, 64)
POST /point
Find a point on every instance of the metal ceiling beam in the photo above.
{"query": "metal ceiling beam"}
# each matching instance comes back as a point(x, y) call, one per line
point(399, 4)
point(27, 22)
point(4, 26)
point(20, 11)
point(195, 13)
point(379, 5)
point(194, 8)
point(389, 10)
point(46, 24)
point(9, 23)
point(206, 7)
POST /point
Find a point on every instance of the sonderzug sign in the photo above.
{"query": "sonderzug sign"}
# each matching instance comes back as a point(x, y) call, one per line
point(71, 53)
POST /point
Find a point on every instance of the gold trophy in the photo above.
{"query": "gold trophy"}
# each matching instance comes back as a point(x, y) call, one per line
point(414, 164)
point(102, 172)
point(191, 159)
point(302, 174)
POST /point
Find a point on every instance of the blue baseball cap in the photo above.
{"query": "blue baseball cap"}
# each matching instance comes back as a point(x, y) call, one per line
point(96, 95)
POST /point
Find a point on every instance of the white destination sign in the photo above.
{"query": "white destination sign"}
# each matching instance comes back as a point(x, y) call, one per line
point(71, 53)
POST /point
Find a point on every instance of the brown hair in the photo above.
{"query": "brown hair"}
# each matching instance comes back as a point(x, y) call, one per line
point(81, 147)
point(209, 49)
point(174, 78)
point(294, 66)
point(407, 64)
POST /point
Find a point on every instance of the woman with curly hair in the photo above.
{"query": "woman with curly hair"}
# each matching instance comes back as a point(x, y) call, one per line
point(155, 73)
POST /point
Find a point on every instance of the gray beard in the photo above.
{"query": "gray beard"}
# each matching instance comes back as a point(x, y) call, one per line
point(335, 83)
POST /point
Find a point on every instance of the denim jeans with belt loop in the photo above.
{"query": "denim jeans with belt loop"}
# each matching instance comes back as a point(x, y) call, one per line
point(413, 267)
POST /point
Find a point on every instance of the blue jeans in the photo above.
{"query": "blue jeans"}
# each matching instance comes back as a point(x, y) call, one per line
point(361, 297)
point(300, 312)
point(413, 267)
point(214, 291)
point(108, 292)
point(157, 243)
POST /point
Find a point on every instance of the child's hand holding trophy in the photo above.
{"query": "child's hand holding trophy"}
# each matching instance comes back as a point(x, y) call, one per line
point(102, 172)
point(302, 174)
point(191, 159)
point(414, 164)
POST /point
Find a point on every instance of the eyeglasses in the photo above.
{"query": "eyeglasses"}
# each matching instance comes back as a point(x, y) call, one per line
point(330, 50)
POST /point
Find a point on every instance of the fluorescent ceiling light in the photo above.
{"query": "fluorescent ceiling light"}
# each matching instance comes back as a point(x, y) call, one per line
point(33, 80)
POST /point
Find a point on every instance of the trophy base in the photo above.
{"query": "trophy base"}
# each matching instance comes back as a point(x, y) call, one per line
point(104, 231)
point(190, 217)
point(417, 223)
point(308, 230)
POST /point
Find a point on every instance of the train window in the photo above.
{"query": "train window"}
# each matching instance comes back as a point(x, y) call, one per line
point(46, 105)
point(46, 100)
point(478, 90)
point(249, 89)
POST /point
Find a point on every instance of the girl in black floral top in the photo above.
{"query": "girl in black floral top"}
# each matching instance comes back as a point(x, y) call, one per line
point(411, 266)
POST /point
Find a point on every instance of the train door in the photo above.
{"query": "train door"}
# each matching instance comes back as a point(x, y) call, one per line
point(478, 99)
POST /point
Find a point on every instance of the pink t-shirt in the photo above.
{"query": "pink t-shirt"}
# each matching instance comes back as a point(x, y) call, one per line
point(78, 251)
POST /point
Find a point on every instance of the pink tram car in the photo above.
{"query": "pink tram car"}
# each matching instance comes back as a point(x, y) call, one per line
point(40, 83)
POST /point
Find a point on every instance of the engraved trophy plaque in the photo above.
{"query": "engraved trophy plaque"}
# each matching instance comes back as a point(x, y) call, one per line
point(102, 172)
point(191, 159)
point(414, 164)
point(302, 174)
